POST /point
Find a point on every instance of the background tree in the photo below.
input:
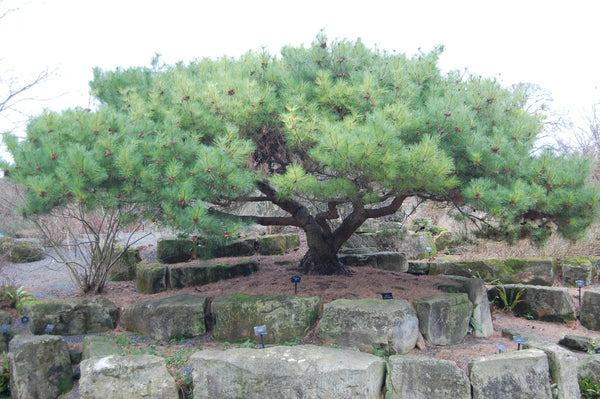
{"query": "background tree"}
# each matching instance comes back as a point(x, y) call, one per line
point(333, 134)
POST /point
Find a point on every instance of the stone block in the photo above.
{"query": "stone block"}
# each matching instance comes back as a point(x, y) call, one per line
point(477, 293)
point(126, 377)
point(40, 367)
point(163, 319)
point(521, 374)
point(541, 303)
point(416, 377)
point(370, 325)
point(291, 372)
point(174, 250)
point(151, 277)
point(71, 316)
point(444, 319)
point(194, 275)
point(395, 261)
point(286, 317)
point(590, 309)
point(277, 244)
point(563, 368)
point(125, 268)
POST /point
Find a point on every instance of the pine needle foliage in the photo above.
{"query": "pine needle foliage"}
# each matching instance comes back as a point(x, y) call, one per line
point(330, 126)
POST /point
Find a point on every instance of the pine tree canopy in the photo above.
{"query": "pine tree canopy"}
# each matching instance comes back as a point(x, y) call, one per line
point(318, 129)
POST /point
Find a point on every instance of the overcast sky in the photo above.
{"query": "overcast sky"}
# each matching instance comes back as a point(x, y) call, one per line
point(555, 44)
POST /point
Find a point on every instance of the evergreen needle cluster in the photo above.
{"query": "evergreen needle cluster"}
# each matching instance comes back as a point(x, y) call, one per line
point(333, 134)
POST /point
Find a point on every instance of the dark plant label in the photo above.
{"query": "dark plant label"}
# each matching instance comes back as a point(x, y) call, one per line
point(387, 295)
point(260, 330)
point(519, 340)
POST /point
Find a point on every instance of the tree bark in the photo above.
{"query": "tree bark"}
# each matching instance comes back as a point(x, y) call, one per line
point(323, 243)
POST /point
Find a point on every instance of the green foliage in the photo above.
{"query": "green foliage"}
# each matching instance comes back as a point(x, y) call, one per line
point(4, 377)
point(323, 127)
point(511, 299)
point(15, 295)
point(589, 388)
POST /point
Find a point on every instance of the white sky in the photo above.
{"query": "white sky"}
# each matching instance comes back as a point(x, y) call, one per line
point(555, 44)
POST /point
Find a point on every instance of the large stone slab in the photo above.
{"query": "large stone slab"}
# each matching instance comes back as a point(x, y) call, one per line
point(286, 317)
point(563, 368)
point(534, 271)
point(370, 325)
point(444, 319)
point(303, 371)
point(71, 316)
point(521, 374)
point(590, 309)
point(194, 275)
point(163, 319)
point(40, 367)
point(395, 261)
point(416, 377)
point(477, 293)
point(126, 377)
point(540, 303)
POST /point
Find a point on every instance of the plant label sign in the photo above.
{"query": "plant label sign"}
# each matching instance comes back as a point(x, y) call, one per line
point(579, 283)
point(260, 330)
point(387, 295)
point(501, 348)
point(519, 341)
point(296, 280)
point(597, 351)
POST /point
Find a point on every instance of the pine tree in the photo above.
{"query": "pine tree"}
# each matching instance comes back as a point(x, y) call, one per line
point(319, 129)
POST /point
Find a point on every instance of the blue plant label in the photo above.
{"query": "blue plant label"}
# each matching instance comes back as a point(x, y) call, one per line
point(519, 340)
point(25, 319)
point(597, 350)
point(501, 348)
point(49, 328)
point(387, 295)
point(429, 249)
point(598, 266)
point(579, 283)
point(296, 279)
point(5, 328)
point(260, 330)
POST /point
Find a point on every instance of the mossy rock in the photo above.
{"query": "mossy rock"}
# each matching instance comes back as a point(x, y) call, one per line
point(194, 275)
point(287, 317)
point(21, 251)
point(125, 268)
point(277, 244)
point(151, 277)
point(235, 248)
point(175, 251)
